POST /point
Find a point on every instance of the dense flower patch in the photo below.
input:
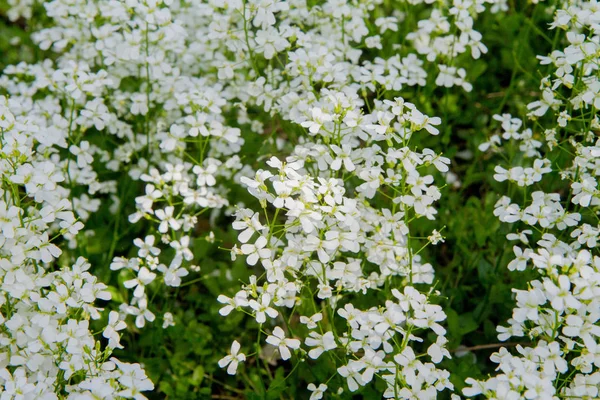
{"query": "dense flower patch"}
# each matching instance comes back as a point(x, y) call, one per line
point(300, 199)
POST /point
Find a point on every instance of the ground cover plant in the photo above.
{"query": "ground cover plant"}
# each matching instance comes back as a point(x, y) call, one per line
point(305, 199)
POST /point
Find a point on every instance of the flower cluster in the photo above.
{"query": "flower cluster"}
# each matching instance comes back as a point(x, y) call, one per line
point(334, 225)
point(148, 73)
point(300, 128)
point(47, 346)
point(558, 312)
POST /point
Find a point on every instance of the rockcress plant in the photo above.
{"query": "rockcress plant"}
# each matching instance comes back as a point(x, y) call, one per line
point(169, 96)
point(310, 263)
point(48, 349)
point(559, 312)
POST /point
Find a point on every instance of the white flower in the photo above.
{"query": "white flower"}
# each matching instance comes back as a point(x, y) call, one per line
point(167, 219)
point(232, 360)
point(144, 277)
point(167, 320)
point(271, 42)
point(311, 322)
point(560, 296)
point(318, 119)
point(321, 343)
point(317, 392)
point(352, 374)
point(205, 176)
point(249, 223)
point(263, 308)
point(174, 272)
point(146, 246)
point(141, 312)
point(422, 121)
point(437, 351)
point(110, 332)
point(256, 250)
point(279, 340)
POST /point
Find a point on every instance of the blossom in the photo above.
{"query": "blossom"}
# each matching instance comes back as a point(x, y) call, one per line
point(256, 250)
point(320, 343)
point(167, 320)
point(146, 246)
point(249, 224)
point(167, 219)
point(232, 360)
point(560, 295)
point(317, 392)
point(311, 322)
point(352, 375)
point(263, 308)
point(115, 324)
point(144, 277)
point(278, 339)
point(141, 312)
point(318, 119)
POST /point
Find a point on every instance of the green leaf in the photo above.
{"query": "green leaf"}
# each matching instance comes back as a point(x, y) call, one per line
point(467, 323)
point(278, 384)
point(198, 375)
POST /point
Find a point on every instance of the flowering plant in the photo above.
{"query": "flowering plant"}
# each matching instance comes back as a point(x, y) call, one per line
point(299, 199)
